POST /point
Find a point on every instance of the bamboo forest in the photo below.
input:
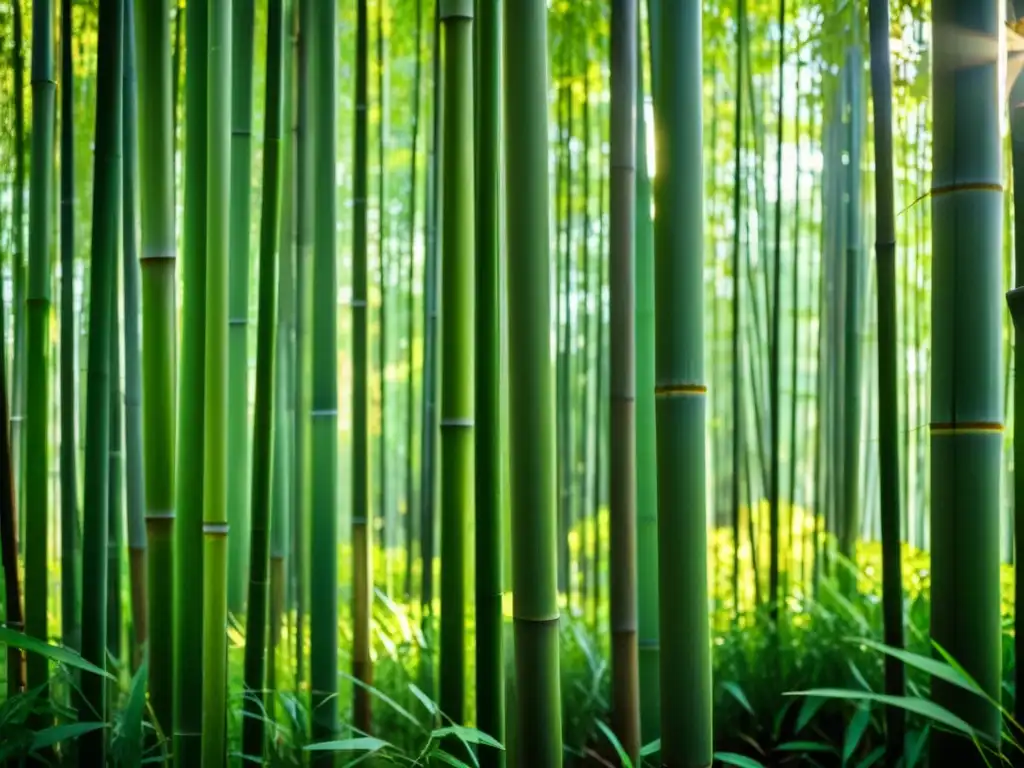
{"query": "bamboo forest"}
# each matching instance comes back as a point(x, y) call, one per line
point(491, 383)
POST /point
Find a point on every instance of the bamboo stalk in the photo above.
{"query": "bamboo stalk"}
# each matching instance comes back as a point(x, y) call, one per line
point(106, 188)
point(256, 703)
point(680, 391)
point(489, 550)
point(531, 400)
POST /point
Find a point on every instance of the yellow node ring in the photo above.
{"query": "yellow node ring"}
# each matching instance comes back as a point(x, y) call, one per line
point(940, 429)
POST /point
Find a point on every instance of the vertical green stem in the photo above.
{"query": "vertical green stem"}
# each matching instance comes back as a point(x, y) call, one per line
point(37, 448)
point(70, 533)
point(531, 398)
point(256, 703)
point(680, 392)
point(362, 592)
point(215, 390)
point(106, 188)
point(239, 456)
point(490, 662)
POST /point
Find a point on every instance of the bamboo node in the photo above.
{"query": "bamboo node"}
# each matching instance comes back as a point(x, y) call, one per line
point(323, 413)
point(680, 390)
point(215, 529)
point(461, 423)
point(943, 429)
point(971, 186)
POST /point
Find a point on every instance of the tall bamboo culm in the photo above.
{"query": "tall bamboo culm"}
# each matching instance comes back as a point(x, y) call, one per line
point(622, 438)
point(646, 466)
point(681, 393)
point(256, 703)
point(36, 466)
point(538, 714)
point(133, 469)
point(239, 455)
point(215, 458)
point(362, 573)
point(157, 270)
point(324, 427)
point(457, 330)
point(188, 538)
point(106, 189)
point(966, 399)
point(70, 534)
point(488, 446)
point(888, 397)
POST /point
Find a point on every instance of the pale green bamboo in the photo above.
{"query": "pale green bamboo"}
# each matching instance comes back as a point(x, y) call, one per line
point(215, 459)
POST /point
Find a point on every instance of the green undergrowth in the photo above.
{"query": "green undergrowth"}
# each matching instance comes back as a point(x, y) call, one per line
point(824, 642)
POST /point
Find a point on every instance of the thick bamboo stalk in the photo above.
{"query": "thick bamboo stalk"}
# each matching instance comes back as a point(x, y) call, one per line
point(256, 703)
point(133, 444)
point(966, 404)
point(531, 399)
point(157, 270)
point(324, 402)
point(106, 188)
point(188, 534)
point(888, 396)
point(680, 393)
point(239, 455)
point(37, 308)
point(70, 532)
point(216, 527)
point(622, 438)
point(457, 289)
point(361, 513)
point(489, 549)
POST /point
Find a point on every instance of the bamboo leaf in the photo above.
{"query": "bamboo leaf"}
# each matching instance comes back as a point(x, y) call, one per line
point(740, 761)
point(468, 735)
point(737, 693)
point(923, 707)
point(933, 667)
point(56, 653)
point(623, 757)
point(58, 733)
point(358, 744)
point(855, 732)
